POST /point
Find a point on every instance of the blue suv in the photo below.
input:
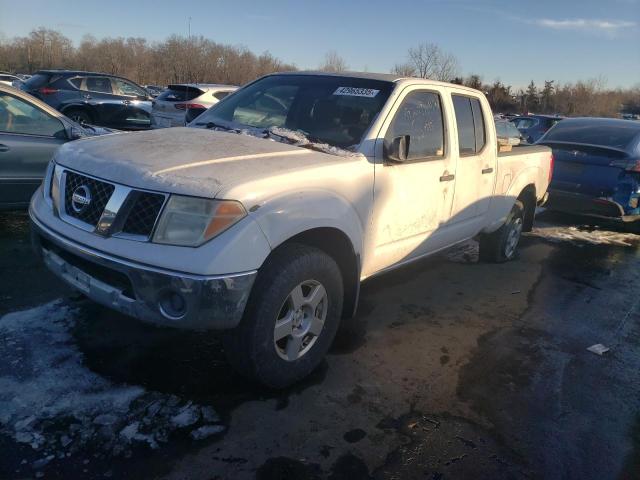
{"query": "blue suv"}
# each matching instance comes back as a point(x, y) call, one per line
point(93, 98)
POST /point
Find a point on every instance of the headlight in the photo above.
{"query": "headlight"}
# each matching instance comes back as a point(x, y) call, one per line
point(190, 221)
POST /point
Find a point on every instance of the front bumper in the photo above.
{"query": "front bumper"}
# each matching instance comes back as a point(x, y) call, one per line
point(157, 296)
point(581, 204)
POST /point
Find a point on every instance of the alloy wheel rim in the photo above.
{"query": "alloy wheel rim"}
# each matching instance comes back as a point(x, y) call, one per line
point(300, 320)
point(513, 237)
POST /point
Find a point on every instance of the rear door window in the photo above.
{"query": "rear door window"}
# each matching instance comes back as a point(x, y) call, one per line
point(464, 120)
point(420, 117)
point(478, 124)
point(470, 122)
point(98, 84)
point(18, 116)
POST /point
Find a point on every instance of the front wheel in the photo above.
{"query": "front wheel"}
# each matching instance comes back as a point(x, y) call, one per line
point(291, 318)
point(501, 245)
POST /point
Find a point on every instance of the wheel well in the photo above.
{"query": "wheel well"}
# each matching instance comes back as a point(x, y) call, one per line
point(78, 108)
point(338, 246)
point(528, 199)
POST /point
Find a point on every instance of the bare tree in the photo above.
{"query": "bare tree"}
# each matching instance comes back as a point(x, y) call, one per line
point(428, 60)
point(333, 62)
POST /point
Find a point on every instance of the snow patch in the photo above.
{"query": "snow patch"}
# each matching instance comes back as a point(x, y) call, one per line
point(299, 139)
point(581, 237)
point(50, 401)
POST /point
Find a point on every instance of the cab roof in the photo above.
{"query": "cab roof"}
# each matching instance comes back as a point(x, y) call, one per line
point(385, 77)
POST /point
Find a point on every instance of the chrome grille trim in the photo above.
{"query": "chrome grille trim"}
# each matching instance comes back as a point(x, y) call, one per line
point(121, 204)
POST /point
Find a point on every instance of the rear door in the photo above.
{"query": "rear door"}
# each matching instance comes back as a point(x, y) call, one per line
point(475, 173)
point(28, 138)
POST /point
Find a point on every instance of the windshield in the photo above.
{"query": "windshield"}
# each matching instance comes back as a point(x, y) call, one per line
point(327, 109)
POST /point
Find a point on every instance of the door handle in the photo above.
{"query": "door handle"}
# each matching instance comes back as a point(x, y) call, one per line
point(447, 178)
point(87, 96)
point(4, 148)
point(487, 170)
point(126, 102)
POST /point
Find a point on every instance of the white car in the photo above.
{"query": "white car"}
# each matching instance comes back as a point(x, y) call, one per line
point(11, 80)
point(267, 228)
point(170, 107)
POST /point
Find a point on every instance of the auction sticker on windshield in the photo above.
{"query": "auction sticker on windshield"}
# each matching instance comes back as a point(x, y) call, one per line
point(356, 92)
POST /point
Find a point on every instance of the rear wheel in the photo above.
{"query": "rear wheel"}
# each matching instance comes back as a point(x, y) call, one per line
point(291, 318)
point(79, 116)
point(502, 245)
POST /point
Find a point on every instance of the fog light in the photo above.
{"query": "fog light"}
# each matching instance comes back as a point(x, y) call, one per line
point(172, 305)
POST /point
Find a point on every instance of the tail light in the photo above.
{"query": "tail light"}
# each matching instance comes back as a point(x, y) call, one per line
point(186, 106)
point(628, 164)
point(47, 90)
point(552, 162)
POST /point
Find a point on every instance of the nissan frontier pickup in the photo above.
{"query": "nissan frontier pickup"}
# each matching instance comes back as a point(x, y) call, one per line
point(265, 214)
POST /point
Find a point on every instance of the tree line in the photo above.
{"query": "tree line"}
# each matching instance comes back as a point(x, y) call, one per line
point(175, 60)
point(180, 59)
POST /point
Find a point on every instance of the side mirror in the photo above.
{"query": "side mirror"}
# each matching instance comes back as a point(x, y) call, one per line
point(75, 133)
point(398, 149)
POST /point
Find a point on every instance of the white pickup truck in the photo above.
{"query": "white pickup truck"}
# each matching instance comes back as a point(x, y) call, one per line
point(263, 217)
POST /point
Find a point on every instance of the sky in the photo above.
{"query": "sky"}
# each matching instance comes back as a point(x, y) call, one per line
point(515, 41)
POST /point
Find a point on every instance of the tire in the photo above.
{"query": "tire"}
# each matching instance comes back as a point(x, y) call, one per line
point(79, 116)
point(501, 245)
point(252, 348)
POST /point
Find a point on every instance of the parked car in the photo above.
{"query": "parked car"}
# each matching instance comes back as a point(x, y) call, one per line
point(532, 127)
point(10, 80)
point(331, 179)
point(597, 167)
point(154, 90)
point(30, 132)
point(93, 98)
point(507, 133)
point(170, 106)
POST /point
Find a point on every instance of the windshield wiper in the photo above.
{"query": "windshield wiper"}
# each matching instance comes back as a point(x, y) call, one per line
point(210, 125)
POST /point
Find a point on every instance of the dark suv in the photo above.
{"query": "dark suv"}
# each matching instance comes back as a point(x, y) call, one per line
point(94, 98)
point(533, 127)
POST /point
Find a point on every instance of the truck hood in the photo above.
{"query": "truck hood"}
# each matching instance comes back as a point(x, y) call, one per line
point(186, 161)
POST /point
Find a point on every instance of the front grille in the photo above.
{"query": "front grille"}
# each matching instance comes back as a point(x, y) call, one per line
point(100, 193)
point(143, 214)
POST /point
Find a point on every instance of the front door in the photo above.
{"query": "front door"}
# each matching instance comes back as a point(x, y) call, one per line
point(108, 106)
point(28, 138)
point(412, 199)
point(137, 112)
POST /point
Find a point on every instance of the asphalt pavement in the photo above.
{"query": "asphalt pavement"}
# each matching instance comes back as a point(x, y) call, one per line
point(453, 369)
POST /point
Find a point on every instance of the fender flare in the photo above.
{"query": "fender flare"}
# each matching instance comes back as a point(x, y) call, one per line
point(285, 216)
